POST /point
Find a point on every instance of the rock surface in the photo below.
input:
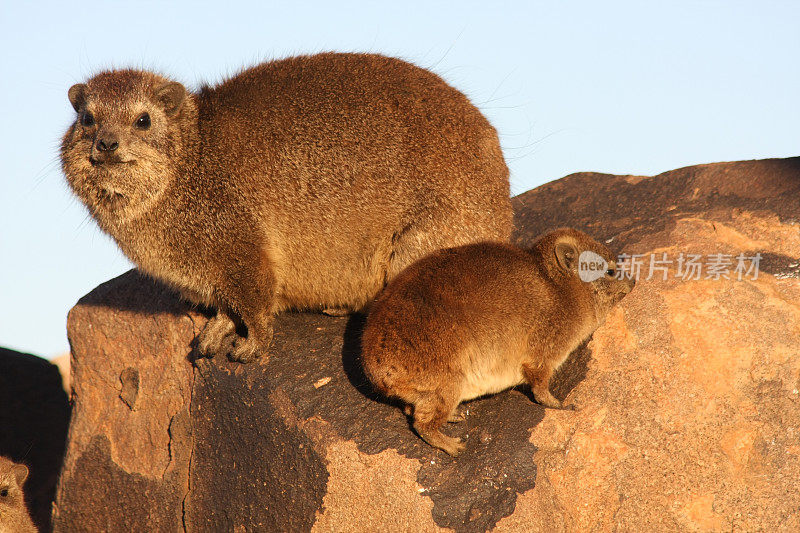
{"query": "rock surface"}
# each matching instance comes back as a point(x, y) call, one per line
point(34, 415)
point(687, 397)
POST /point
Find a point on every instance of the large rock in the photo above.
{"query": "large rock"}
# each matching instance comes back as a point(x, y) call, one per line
point(34, 415)
point(689, 413)
point(687, 397)
point(295, 441)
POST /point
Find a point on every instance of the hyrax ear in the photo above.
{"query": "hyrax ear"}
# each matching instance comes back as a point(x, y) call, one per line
point(20, 473)
point(77, 95)
point(171, 96)
point(567, 255)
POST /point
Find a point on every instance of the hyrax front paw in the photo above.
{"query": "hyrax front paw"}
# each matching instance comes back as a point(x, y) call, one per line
point(455, 447)
point(256, 343)
point(456, 417)
point(452, 446)
point(217, 336)
point(336, 311)
point(558, 404)
point(246, 350)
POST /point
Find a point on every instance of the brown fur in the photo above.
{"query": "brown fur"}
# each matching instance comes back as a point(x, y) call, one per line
point(14, 517)
point(307, 182)
point(477, 319)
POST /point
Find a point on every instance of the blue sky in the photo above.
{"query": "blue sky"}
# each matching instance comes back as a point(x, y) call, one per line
point(620, 87)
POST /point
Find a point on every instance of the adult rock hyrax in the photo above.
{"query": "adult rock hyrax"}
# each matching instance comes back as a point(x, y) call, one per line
point(477, 319)
point(14, 517)
point(302, 183)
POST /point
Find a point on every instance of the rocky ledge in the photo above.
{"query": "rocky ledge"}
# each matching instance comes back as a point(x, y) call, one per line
point(687, 396)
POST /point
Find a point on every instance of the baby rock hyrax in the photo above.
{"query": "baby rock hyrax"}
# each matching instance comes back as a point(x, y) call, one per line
point(14, 517)
point(302, 183)
point(477, 319)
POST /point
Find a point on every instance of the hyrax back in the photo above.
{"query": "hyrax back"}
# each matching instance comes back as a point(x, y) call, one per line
point(307, 182)
point(14, 517)
point(477, 319)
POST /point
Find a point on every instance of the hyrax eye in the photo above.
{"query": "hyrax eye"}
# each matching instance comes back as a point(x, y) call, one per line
point(143, 122)
point(87, 119)
point(4, 492)
point(611, 273)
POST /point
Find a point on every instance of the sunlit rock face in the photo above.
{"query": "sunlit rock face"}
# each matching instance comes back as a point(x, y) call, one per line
point(688, 414)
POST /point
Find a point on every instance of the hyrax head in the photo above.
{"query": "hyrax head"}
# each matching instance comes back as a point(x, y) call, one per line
point(586, 267)
point(12, 499)
point(121, 152)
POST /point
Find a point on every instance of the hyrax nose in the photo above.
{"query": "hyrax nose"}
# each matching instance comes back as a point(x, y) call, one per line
point(107, 143)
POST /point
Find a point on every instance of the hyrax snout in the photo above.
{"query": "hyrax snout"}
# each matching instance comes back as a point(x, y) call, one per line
point(303, 183)
point(14, 517)
point(477, 319)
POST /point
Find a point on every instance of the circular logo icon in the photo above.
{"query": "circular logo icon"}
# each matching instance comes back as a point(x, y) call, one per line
point(591, 266)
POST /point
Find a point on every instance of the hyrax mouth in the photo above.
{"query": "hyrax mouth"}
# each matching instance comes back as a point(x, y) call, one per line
point(109, 162)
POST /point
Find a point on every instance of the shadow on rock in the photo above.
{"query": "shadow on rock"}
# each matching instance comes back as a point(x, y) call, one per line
point(136, 292)
point(475, 491)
